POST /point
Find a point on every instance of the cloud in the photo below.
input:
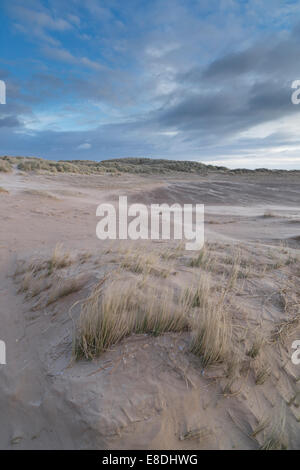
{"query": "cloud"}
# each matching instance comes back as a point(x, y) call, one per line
point(179, 79)
point(38, 22)
point(9, 121)
point(84, 146)
point(236, 92)
point(65, 56)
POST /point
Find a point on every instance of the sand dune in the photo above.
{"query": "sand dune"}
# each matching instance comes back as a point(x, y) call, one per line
point(145, 390)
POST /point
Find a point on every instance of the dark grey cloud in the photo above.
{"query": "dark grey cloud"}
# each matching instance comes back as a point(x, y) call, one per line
point(237, 91)
point(231, 109)
point(9, 121)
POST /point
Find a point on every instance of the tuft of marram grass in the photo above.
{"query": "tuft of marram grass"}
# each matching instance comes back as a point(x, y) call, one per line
point(26, 281)
point(5, 166)
point(234, 272)
point(64, 287)
point(141, 263)
point(119, 310)
point(202, 259)
point(256, 347)
point(285, 328)
point(211, 334)
point(33, 284)
point(275, 436)
point(261, 426)
point(212, 327)
point(40, 193)
point(199, 296)
point(198, 434)
point(262, 374)
point(59, 259)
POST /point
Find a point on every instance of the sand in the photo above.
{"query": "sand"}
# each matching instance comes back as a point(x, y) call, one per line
point(146, 392)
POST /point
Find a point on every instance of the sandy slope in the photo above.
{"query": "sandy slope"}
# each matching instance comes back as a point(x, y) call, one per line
point(147, 392)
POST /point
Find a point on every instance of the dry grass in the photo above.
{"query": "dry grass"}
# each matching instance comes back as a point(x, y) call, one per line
point(275, 436)
point(256, 346)
point(140, 263)
point(212, 334)
point(212, 328)
point(173, 253)
point(5, 166)
point(235, 270)
point(26, 281)
point(40, 193)
point(37, 276)
point(84, 257)
point(203, 259)
point(262, 373)
point(262, 425)
point(269, 213)
point(33, 284)
point(40, 165)
point(199, 296)
point(37, 279)
point(3, 191)
point(143, 300)
point(64, 287)
point(121, 309)
point(285, 328)
point(59, 259)
point(196, 434)
point(290, 304)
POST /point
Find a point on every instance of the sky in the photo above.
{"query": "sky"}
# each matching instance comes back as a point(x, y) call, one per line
point(200, 80)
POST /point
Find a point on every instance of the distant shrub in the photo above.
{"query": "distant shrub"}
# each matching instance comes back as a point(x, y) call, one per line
point(5, 166)
point(46, 165)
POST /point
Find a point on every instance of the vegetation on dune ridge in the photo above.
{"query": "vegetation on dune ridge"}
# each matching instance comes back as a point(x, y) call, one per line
point(120, 165)
point(5, 166)
point(210, 304)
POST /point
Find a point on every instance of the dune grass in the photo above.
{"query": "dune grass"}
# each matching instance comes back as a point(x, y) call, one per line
point(121, 309)
point(38, 275)
point(275, 436)
point(60, 258)
point(142, 263)
point(137, 298)
point(63, 287)
point(269, 214)
point(262, 374)
point(211, 326)
point(212, 331)
point(5, 166)
point(203, 258)
point(256, 346)
point(40, 193)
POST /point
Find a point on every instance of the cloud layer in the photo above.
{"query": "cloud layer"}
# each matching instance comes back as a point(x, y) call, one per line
point(207, 81)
